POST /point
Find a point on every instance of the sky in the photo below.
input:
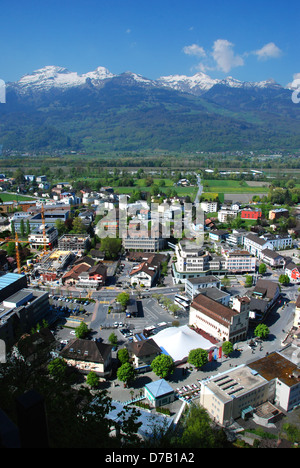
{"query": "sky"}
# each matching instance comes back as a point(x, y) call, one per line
point(248, 40)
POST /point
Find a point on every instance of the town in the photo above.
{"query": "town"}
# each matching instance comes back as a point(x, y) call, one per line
point(168, 298)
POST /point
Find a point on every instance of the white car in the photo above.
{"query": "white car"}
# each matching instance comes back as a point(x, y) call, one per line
point(72, 332)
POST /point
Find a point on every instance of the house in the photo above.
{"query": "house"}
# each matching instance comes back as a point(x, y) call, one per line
point(218, 235)
point(264, 296)
point(209, 206)
point(142, 353)
point(278, 213)
point(240, 261)
point(255, 244)
point(293, 272)
point(194, 286)
point(37, 238)
point(94, 277)
point(248, 213)
point(148, 271)
point(87, 356)
point(272, 258)
point(297, 313)
point(159, 393)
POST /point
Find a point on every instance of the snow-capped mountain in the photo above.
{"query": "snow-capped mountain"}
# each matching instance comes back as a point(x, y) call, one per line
point(200, 83)
point(61, 78)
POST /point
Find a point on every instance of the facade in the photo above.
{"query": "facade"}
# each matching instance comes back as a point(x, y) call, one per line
point(226, 215)
point(293, 272)
point(209, 206)
point(73, 242)
point(251, 214)
point(21, 312)
point(143, 352)
point(87, 356)
point(297, 313)
point(94, 277)
point(194, 286)
point(272, 258)
point(159, 393)
point(36, 238)
point(240, 261)
point(143, 243)
point(255, 244)
point(278, 213)
point(193, 261)
point(219, 321)
point(264, 296)
point(148, 271)
point(10, 283)
point(233, 394)
point(283, 377)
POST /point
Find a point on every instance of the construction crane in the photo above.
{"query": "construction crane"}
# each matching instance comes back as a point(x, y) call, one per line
point(18, 254)
point(44, 229)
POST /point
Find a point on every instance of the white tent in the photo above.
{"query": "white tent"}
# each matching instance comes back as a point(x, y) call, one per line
point(178, 341)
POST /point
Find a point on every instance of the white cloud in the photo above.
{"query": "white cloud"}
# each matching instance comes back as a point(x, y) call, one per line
point(194, 49)
point(269, 50)
point(224, 56)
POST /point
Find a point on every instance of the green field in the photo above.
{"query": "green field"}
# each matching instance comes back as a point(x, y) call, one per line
point(231, 186)
point(5, 197)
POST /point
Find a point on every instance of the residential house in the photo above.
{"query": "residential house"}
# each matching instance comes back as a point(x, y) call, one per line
point(278, 213)
point(293, 272)
point(194, 286)
point(248, 213)
point(89, 356)
point(94, 277)
point(264, 296)
point(148, 271)
point(142, 353)
point(297, 314)
point(239, 261)
point(272, 258)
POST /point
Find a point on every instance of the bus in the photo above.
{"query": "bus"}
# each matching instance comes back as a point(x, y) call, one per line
point(182, 301)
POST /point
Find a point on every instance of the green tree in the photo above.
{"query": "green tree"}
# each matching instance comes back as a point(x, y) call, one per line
point(78, 226)
point(82, 330)
point(248, 281)
point(57, 368)
point(113, 339)
point(22, 227)
point(227, 347)
point(262, 269)
point(198, 357)
point(284, 279)
point(111, 247)
point(162, 365)
point(123, 299)
point(261, 331)
point(123, 355)
point(126, 373)
point(92, 379)
point(60, 226)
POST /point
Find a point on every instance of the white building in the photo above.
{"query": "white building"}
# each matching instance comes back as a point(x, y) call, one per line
point(217, 320)
point(209, 206)
point(240, 261)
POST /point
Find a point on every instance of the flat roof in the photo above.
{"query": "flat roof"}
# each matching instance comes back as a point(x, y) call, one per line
point(8, 279)
point(276, 366)
point(234, 382)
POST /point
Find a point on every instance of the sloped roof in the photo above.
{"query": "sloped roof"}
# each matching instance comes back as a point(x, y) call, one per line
point(86, 350)
point(159, 388)
point(144, 347)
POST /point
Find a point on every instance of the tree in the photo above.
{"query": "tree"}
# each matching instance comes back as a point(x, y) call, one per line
point(92, 379)
point(82, 330)
point(261, 331)
point(198, 357)
point(162, 365)
point(227, 347)
point(113, 339)
point(126, 373)
point(123, 298)
point(78, 226)
point(123, 355)
point(22, 228)
point(57, 368)
point(248, 281)
point(111, 246)
point(284, 279)
point(60, 226)
point(262, 269)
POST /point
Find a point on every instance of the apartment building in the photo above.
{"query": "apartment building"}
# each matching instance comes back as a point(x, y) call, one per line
point(37, 239)
point(240, 261)
point(194, 286)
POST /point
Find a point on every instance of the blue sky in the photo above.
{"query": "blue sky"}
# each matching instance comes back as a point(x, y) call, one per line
point(249, 40)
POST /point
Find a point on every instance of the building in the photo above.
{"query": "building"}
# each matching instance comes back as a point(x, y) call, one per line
point(264, 296)
point(248, 213)
point(293, 272)
point(74, 242)
point(236, 237)
point(194, 286)
point(272, 258)
point(233, 394)
point(37, 239)
point(218, 235)
point(143, 241)
point(240, 261)
point(255, 244)
point(10, 283)
point(297, 313)
point(279, 242)
point(283, 377)
point(148, 271)
point(278, 213)
point(88, 356)
point(159, 393)
point(209, 206)
point(94, 277)
point(193, 261)
point(22, 311)
point(217, 320)
point(54, 264)
point(225, 216)
point(142, 353)
point(217, 295)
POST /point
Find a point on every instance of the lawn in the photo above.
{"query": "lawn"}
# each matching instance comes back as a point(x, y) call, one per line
point(231, 186)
